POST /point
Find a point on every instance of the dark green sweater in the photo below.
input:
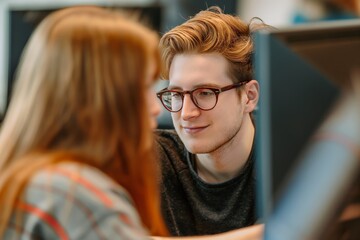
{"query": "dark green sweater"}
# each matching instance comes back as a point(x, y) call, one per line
point(192, 207)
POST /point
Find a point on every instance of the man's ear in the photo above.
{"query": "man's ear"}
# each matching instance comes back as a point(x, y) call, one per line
point(252, 94)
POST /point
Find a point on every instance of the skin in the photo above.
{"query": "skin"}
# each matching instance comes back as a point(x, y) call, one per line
point(222, 137)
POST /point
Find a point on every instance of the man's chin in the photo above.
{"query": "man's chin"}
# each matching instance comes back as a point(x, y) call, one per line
point(196, 145)
point(196, 149)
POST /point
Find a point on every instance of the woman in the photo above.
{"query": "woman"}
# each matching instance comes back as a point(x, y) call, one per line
point(77, 138)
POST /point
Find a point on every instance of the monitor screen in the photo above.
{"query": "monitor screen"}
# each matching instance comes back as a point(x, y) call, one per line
point(300, 70)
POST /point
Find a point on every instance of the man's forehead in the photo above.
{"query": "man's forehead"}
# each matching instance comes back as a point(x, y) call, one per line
point(195, 70)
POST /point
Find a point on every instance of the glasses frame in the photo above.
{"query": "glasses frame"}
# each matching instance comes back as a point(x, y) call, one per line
point(217, 91)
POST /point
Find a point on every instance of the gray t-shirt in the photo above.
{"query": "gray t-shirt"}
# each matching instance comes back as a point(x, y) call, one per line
point(193, 207)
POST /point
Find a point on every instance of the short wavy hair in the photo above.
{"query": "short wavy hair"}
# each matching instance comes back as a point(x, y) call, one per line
point(212, 31)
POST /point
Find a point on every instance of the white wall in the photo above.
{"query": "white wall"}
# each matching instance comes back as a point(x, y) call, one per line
point(273, 12)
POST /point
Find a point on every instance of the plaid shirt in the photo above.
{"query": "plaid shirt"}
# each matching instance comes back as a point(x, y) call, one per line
point(75, 202)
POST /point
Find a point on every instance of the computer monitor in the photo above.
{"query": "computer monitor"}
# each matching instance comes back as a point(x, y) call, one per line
point(300, 70)
point(18, 19)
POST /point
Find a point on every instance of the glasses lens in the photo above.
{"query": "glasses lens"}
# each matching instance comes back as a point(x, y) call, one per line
point(172, 100)
point(204, 98)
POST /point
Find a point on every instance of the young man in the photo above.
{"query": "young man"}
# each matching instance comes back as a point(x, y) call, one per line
point(207, 164)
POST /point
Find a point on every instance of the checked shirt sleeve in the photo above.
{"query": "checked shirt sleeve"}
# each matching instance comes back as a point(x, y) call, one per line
point(76, 202)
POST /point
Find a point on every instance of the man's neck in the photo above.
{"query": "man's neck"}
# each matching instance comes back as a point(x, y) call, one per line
point(227, 161)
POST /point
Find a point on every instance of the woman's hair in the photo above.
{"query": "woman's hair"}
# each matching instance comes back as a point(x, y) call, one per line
point(80, 94)
point(212, 31)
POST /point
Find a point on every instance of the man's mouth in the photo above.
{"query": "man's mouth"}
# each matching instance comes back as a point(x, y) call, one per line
point(194, 129)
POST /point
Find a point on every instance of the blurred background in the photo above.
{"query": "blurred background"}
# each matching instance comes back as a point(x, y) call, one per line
point(18, 18)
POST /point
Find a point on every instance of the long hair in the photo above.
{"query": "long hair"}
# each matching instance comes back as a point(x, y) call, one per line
point(80, 91)
point(212, 31)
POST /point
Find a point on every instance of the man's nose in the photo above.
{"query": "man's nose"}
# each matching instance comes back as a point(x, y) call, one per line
point(189, 109)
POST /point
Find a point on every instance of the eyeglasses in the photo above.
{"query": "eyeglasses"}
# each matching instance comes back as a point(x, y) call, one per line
point(204, 98)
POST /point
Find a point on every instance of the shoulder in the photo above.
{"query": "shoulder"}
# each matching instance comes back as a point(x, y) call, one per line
point(68, 174)
point(81, 197)
point(79, 182)
point(167, 136)
point(167, 142)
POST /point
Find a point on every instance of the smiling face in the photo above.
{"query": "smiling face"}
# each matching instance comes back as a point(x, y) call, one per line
point(206, 131)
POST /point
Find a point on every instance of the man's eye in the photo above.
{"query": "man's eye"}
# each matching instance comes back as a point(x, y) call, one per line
point(205, 93)
point(175, 95)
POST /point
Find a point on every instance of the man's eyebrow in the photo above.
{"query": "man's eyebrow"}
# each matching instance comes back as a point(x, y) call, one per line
point(202, 85)
point(173, 87)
